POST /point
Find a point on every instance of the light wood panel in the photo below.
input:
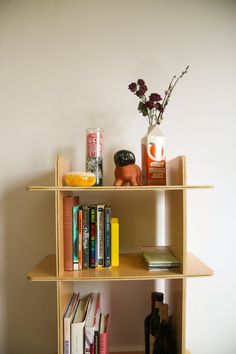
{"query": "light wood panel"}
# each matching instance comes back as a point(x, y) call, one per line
point(96, 189)
point(64, 291)
point(62, 167)
point(132, 267)
point(175, 210)
point(175, 238)
point(175, 294)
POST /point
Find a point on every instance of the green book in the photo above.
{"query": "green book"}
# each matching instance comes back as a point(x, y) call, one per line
point(159, 257)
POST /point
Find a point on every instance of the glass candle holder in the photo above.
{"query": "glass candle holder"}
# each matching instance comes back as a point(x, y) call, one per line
point(94, 153)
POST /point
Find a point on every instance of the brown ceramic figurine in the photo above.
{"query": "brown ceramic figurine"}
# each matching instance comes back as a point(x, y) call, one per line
point(126, 171)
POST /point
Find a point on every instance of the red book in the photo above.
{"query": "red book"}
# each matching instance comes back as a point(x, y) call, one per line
point(103, 335)
point(68, 203)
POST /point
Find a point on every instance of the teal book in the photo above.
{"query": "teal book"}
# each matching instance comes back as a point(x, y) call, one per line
point(75, 236)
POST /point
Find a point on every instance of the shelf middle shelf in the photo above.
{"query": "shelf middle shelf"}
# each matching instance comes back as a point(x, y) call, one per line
point(132, 267)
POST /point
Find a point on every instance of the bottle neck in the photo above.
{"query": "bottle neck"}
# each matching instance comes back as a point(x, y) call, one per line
point(156, 297)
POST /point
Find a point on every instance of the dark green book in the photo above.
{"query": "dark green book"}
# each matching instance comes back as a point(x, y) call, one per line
point(107, 236)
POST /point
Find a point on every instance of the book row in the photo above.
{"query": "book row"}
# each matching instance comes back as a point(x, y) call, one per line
point(91, 235)
point(85, 326)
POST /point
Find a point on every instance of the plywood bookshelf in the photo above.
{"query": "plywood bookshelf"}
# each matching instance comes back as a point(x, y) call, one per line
point(132, 266)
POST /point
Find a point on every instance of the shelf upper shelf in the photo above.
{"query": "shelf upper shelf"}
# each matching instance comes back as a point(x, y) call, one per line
point(132, 267)
point(117, 189)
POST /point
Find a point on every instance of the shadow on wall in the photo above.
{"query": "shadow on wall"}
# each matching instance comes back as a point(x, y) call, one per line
point(29, 235)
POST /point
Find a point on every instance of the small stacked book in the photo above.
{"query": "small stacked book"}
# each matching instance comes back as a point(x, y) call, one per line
point(159, 258)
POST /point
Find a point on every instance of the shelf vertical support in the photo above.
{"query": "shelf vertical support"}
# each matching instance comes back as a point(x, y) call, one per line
point(176, 240)
point(62, 166)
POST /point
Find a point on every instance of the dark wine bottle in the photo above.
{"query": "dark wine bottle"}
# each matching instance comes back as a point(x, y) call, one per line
point(155, 297)
point(154, 329)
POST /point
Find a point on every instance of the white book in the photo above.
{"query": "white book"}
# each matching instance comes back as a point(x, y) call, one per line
point(90, 323)
point(78, 325)
point(68, 317)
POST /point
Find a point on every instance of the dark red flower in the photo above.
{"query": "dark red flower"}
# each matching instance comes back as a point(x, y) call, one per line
point(149, 104)
point(159, 107)
point(141, 82)
point(144, 87)
point(133, 86)
point(155, 97)
point(140, 92)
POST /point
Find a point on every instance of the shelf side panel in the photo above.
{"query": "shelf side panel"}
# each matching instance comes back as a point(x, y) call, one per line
point(175, 295)
point(64, 292)
point(176, 239)
point(175, 210)
point(62, 167)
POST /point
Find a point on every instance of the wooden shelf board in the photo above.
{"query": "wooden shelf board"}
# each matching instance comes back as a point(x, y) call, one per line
point(117, 189)
point(138, 352)
point(132, 267)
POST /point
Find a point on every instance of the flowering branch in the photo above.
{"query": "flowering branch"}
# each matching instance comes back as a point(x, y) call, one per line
point(168, 93)
point(153, 108)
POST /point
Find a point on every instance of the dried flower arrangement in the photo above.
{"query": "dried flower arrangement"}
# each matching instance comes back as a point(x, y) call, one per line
point(155, 106)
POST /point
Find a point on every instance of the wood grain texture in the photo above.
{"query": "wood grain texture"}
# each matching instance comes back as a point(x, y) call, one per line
point(176, 240)
point(132, 267)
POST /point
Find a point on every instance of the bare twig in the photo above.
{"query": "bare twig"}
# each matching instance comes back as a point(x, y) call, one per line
point(168, 94)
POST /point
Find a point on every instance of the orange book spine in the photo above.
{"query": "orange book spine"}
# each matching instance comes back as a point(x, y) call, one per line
point(80, 236)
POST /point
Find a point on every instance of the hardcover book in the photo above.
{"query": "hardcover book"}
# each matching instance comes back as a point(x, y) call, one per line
point(107, 236)
point(100, 235)
point(68, 317)
point(90, 323)
point(85, 237)
point(75, 210)
point(93, 236)
point(77, 326)
point(80, 237)
point(68, 203)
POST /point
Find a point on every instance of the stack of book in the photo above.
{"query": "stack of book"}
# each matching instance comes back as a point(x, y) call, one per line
point(91, 235)
point(159, 258)
point(85, 327)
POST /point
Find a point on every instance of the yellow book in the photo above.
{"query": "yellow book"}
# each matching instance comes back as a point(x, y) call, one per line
point(114, 242)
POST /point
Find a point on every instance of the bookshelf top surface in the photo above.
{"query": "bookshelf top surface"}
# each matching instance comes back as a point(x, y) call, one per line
point(117, 189)
point(132, 267)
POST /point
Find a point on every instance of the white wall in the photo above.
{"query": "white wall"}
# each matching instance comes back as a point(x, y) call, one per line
point(65, 66)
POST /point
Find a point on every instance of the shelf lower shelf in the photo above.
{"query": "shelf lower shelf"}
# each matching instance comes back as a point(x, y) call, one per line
point(132, 267)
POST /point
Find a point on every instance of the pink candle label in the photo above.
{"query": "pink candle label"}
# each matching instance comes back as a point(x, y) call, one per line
point(94, 144)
